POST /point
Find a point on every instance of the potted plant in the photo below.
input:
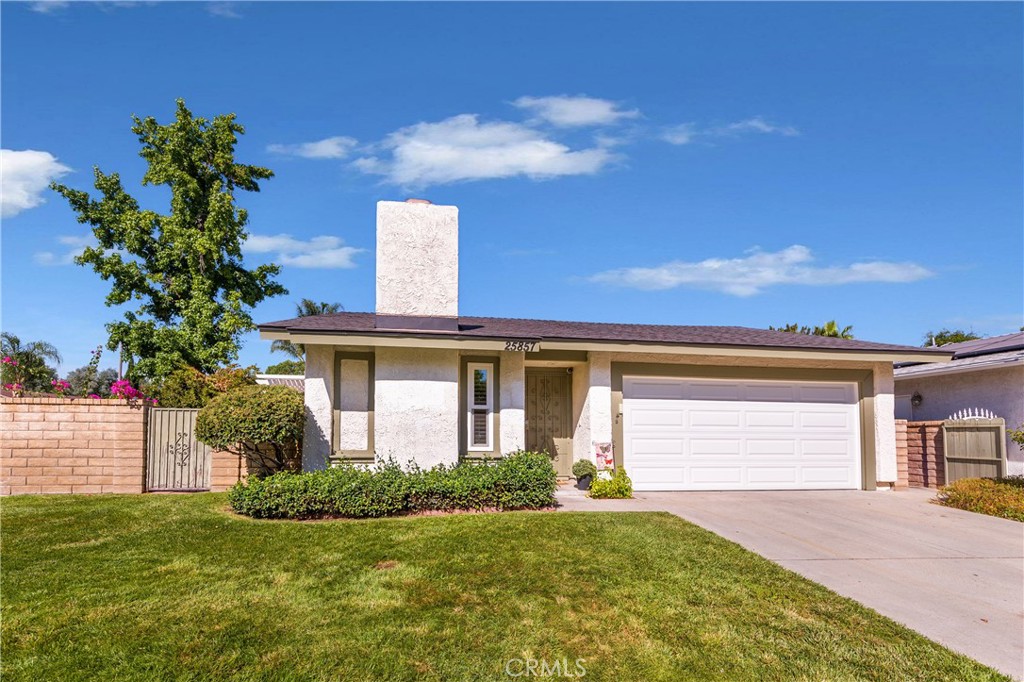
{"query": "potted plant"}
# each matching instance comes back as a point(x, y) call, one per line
point(584, 470)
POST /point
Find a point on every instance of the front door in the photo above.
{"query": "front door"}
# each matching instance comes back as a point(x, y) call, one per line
point(549, 416)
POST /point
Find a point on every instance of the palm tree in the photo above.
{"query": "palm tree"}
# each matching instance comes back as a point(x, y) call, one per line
point(305, 308)
point(830, 328)
point(30, 369)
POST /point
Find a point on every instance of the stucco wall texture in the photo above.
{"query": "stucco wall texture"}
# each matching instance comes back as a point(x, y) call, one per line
point(998, 390)
point(416, 406)
point(316, 439)
point(417, 259)
point(512, 402)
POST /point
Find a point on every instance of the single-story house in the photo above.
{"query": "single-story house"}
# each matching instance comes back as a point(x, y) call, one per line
point(985, 376)
point(679, 407)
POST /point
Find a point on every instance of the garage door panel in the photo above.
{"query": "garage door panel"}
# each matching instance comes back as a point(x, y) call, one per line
point(652, 416)
point(704, 475)
point(824, 393)
point(825, 475)
point(832, 449)
point(769, 392)
point(711, 391)
point(713, 418)
point(655, 389)
point(643, 447)
point(782, 447)
point(715, 447)
point(740, 435)
point(757, 419)
point(825, 420)
point(765, 475)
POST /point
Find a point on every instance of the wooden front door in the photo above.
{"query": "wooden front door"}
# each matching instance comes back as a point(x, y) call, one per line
point(549, 416)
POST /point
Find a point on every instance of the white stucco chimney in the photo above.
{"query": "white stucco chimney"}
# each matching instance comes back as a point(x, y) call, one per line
point(417, 259)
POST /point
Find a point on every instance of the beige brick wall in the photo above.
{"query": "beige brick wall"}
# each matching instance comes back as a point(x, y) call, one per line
point(62, 445)
point(226, 469)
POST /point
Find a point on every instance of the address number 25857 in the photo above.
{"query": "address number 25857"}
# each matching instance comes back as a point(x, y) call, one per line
point(521, 346)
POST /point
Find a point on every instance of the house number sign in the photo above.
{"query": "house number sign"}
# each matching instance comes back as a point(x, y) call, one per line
point(523, 346)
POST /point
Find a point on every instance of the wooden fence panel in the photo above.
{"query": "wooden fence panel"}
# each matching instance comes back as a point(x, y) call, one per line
point(175, 459)
point(974, 448)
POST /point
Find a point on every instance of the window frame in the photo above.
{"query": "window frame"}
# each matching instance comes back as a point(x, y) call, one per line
point(472, 407)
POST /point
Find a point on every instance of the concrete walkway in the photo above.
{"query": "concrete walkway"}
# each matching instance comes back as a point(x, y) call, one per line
point(954, 576)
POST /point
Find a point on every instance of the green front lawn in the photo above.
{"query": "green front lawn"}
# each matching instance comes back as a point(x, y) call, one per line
point(162, 587)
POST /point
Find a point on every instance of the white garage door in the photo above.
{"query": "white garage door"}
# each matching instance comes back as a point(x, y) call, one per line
point(709, 434)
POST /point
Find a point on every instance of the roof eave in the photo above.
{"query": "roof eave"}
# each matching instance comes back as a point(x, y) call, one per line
point(453, 340)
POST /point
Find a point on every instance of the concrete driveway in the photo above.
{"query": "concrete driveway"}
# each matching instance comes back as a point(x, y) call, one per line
point(955, 577)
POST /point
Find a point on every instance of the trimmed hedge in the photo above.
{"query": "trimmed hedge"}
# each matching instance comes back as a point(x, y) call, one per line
point(523, 480)
point(1003, 497)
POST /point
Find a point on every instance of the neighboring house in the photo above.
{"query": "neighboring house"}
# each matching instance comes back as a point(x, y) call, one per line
point(296, 381)
point(984, 374)
point(680, 407)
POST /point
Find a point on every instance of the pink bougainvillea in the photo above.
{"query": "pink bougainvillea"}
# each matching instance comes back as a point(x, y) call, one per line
point(60, 386)
point(122, 388)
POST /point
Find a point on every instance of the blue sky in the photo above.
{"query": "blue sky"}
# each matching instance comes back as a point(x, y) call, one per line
point(706, 163)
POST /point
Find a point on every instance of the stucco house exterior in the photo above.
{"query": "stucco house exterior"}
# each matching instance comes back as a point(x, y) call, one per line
point(984, 374)
point(680, 407)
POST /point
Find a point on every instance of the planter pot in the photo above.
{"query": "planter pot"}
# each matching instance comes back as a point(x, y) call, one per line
point(583, 482)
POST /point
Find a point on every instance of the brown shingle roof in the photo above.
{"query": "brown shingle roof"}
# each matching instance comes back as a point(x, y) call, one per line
point(553, 330)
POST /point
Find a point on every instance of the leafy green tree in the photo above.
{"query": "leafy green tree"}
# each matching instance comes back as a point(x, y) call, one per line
point(830, 328)
point(288, 367)
point(304, 308)
point(188, 387)
point(87, 381)
point(185, 268)
point(25, 364)
point(944, 336)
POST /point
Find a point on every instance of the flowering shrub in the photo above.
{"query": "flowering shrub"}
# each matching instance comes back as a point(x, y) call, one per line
point(8, 360)
point(122, 388)
point(60, 386)
point(15, 388)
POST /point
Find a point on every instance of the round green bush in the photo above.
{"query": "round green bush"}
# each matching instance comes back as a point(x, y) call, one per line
point(264, 422)
point(584, 467)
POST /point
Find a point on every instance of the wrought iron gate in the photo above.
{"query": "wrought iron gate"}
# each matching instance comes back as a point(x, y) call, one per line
point(175, 459)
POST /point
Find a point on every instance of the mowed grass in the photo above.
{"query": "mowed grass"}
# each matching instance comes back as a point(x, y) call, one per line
point(176, 587)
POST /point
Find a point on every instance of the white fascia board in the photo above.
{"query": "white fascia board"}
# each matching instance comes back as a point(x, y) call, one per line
point(499, 345)
point(953, 368)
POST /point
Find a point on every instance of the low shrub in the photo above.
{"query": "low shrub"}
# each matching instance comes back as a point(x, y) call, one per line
point(523, 480)
point(618, 487)
point(996, 497)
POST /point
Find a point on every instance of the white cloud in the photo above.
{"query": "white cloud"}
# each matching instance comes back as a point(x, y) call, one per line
point(74, 248)
point(686, 133)
point(753, 125)
point(48, 6)
point(24, 176)
point(568, 111)
point(328, 148)
point(461, 148)
point(759, 270)
point(228, 10)
point(680, 134)
point(318, 252)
